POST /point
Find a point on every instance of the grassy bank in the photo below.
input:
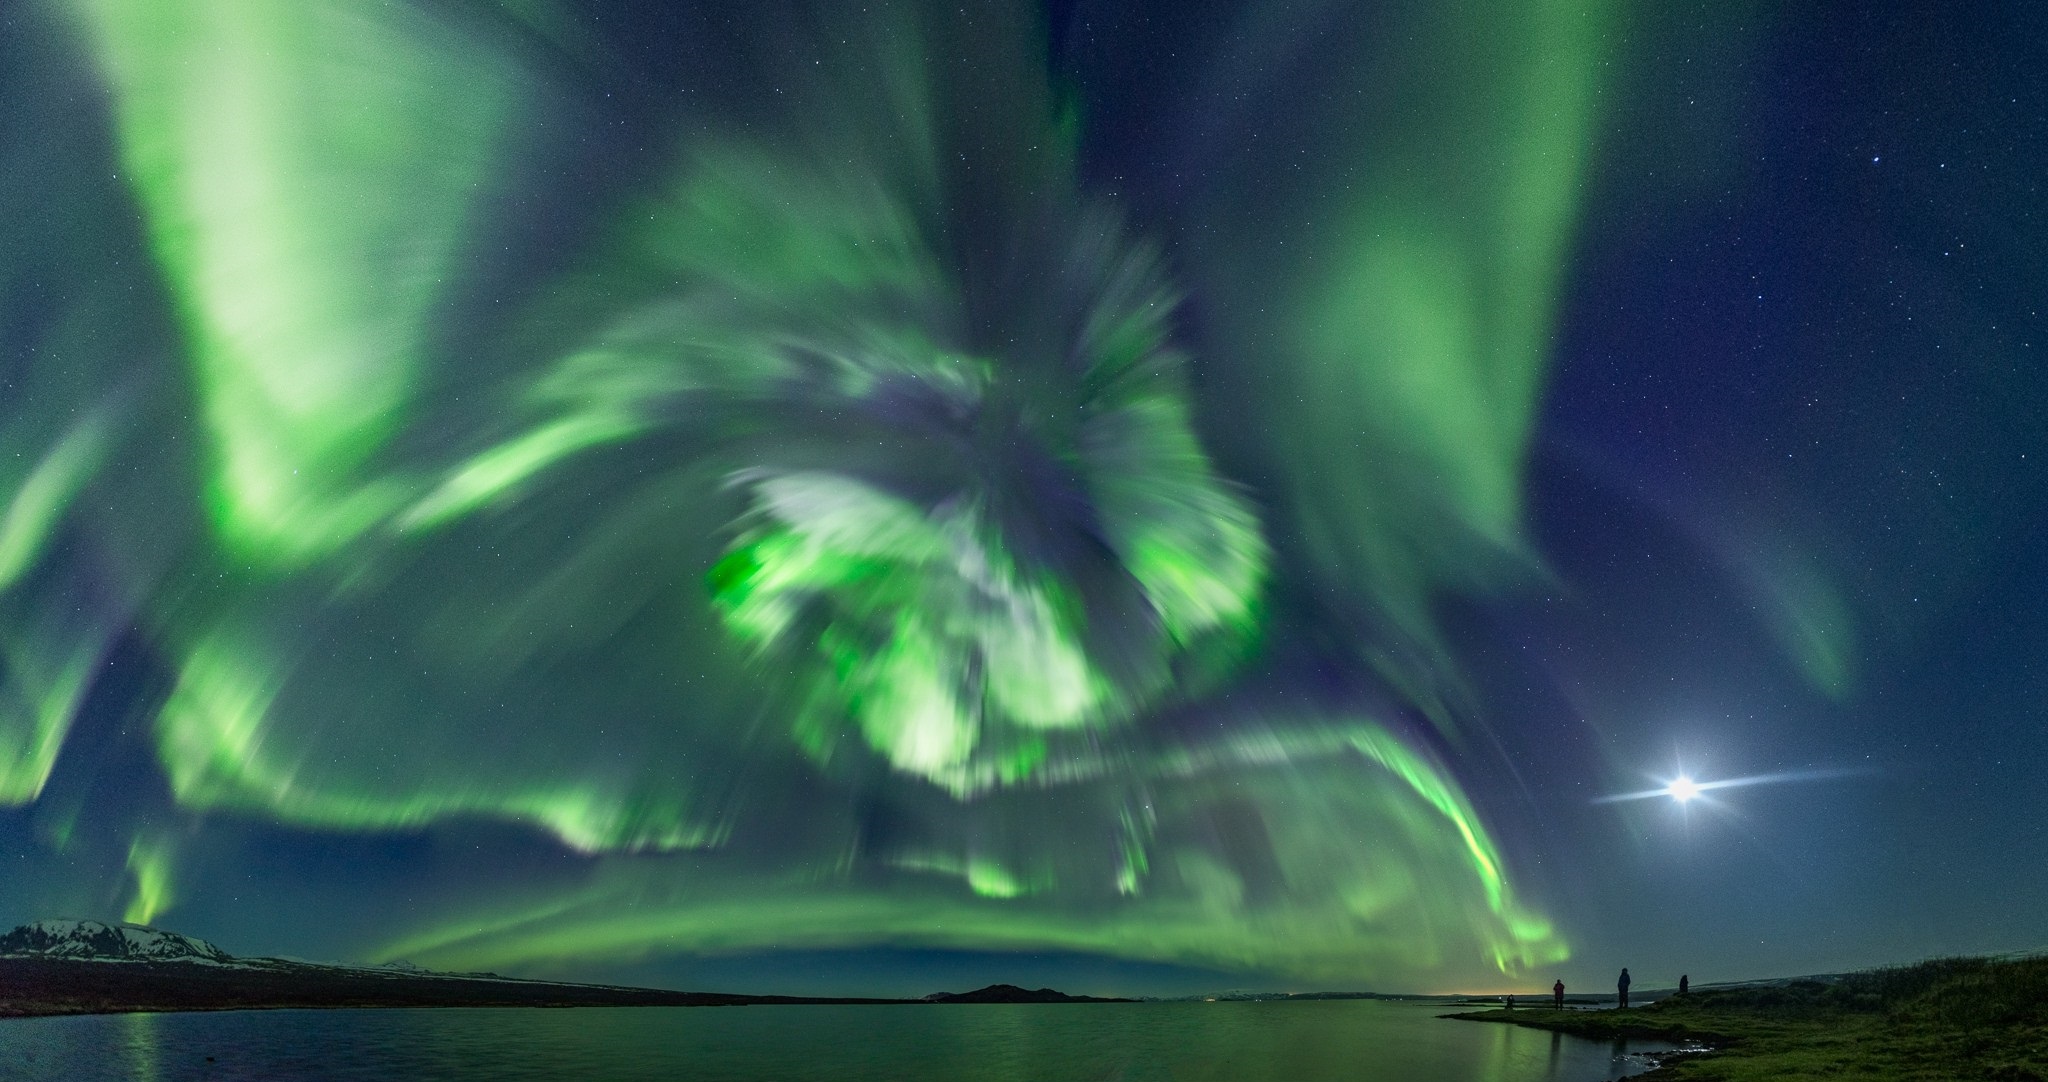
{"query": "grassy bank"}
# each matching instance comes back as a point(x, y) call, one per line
point(1952, 1018)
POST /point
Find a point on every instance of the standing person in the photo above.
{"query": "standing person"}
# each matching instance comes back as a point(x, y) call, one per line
point(1557, 994)
point(1684, 984)
point(1621, 987)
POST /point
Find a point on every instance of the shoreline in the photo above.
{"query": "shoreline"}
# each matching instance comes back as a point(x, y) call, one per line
point(1596, 1025)
point(1692, 1044)
point(1942, 1019)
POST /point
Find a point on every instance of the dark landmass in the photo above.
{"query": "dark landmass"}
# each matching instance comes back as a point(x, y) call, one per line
point(92, 967)
point(1952, 1018)
point(1240, 996)
point(1534, 1000)
point(38, 986)
point(1010, 993)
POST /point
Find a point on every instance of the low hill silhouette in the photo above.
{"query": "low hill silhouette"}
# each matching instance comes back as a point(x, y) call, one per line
point(1010, 993)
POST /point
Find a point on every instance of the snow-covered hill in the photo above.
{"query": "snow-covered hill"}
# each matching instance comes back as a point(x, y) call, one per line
point(91, 940)
point(99, 941)
point(69, 966)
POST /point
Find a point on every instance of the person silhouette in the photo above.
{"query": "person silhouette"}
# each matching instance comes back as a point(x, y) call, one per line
point(1557, 994)
point(1621, 987)
point(1684, 984)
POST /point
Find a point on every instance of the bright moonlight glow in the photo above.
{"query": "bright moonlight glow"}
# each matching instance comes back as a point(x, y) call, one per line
point(1683, 789)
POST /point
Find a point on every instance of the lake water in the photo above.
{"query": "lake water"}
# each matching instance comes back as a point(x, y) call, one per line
point(1183, 1042)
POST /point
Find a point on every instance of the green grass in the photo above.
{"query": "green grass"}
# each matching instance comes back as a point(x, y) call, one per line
point(1951, 1018)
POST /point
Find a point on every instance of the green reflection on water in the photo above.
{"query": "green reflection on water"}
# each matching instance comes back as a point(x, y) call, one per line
point(1302, 1041)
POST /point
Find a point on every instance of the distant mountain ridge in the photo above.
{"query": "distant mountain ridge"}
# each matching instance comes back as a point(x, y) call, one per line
point(98, 941)
point(97, 967)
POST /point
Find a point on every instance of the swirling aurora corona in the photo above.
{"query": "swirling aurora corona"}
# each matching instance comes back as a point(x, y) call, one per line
point(775, 467)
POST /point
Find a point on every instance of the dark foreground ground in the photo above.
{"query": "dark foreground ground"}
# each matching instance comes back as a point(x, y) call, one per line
point(1953, 1018)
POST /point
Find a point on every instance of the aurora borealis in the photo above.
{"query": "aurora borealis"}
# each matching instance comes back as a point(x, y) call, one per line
point(816, 497)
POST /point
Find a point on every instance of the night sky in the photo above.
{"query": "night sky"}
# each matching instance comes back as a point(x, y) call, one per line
point(1138, 497)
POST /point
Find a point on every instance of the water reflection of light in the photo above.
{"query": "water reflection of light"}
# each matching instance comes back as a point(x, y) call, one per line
point(141, 1046)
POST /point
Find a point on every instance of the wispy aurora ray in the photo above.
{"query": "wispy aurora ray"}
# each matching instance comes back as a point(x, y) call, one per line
point(1410, 280)
point(150, 860)
point(48, 648)
point(825, 539)
point(261, 134)
point(68, 373)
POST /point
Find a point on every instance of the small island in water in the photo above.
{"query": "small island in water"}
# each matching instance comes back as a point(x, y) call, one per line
point(93, 967)
point(1950, 1018)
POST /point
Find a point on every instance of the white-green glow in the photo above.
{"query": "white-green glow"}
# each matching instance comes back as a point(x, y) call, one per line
point(924, 600)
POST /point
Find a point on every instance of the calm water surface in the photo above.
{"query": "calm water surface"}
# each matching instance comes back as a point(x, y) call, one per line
point(1225, 1042)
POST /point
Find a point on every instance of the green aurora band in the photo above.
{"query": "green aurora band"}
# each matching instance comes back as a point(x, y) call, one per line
point(828, 541)
point(150, 860)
